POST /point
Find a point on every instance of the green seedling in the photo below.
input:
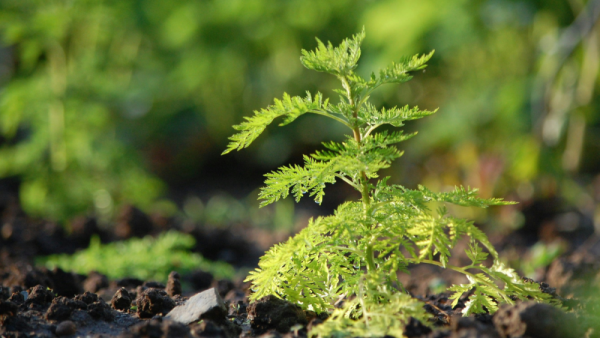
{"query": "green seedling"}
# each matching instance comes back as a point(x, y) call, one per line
point(144, 258)
point(354, 256)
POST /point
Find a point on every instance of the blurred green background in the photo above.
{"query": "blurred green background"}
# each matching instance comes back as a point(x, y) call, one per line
point(107, 103)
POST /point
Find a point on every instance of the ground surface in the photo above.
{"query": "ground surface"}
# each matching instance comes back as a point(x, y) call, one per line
point(37, 302)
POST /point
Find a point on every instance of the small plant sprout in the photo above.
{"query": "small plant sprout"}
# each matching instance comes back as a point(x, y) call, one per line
point(355, 254)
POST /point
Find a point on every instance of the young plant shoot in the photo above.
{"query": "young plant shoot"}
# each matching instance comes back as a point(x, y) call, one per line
point(353, 257)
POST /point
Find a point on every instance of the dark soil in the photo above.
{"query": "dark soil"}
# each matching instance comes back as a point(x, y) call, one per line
point(37, 302)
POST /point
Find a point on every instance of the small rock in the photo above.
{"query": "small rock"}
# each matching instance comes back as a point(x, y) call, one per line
point(121, 300)
point(207, 304)
point(66, 328)
point(173, 284)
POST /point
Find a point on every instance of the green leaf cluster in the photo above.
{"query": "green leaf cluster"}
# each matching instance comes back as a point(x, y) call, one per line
point(355, 255)
point(143, 258)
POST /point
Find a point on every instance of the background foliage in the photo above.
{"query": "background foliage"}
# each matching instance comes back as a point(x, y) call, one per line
point(110, 102)
point(147, 258)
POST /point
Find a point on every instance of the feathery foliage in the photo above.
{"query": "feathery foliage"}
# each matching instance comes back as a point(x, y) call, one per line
point(354, 256)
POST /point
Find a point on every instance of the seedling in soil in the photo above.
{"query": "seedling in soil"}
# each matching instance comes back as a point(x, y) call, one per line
point(354, 256)
point(144, 258)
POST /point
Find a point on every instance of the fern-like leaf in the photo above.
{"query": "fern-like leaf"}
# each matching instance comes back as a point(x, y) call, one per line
point(339, 61)
point(400, 72)
point(290, 107)
point(393, 116)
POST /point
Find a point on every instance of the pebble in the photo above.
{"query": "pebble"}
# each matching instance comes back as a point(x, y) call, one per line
point(66, 328)
point(207, 304)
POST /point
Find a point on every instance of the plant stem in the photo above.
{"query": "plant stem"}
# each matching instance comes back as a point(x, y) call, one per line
point(371, 267)
point(326, 114)
point(356, 131)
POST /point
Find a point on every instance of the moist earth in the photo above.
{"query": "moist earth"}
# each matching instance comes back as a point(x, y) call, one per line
point(40, 302)
point(138, 311)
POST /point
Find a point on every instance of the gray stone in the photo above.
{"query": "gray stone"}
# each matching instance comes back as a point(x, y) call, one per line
point(204, 305)
point(66, 328)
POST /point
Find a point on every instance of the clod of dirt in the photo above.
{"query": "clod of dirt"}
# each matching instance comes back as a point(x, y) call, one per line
point(153, 284)
point(64, 283)
point(100, 310)
point(39, 295)
point(15, 324)
point(271, 312)
point(8, 308)
point(152, 302)
point(200, 280)
point(173, 284)
point(470, 327)
point(439, 306)
point(18, 297)
point(235, 296)
point(223, 286)
point(207, 328)
point(237, 309)
point(210, 328)
point(121, 300)
point(94, 282)
point(33, 278)
point(4, 293)
point(535, 320)
point(158, 329)
point(414, 328)
point(572, 273)
point(129, 282)
point(66, 328)
point(204, 305)
point(62, 307)
point(87, 297)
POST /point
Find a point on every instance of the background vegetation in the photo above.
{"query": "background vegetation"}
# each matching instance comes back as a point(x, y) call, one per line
point(106, 103)
point(147, 258)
